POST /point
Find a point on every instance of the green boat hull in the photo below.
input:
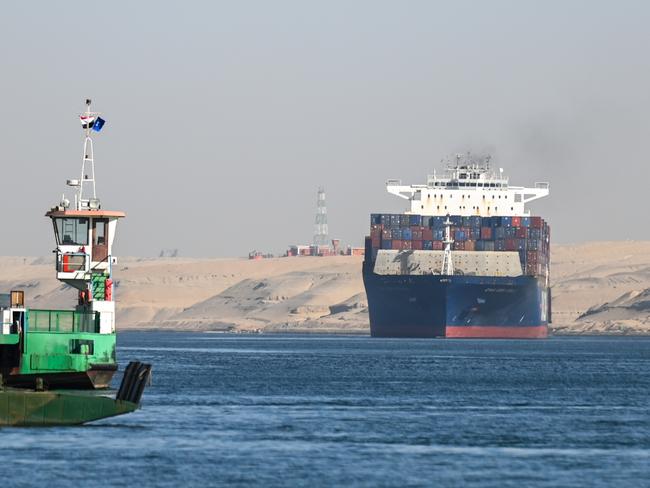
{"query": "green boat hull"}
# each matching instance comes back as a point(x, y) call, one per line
point(49, 408)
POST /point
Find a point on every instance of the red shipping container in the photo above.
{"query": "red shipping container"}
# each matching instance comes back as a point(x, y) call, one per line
point(397, 244)
point(536, 222)
point(470, 245)
point(377, 226)
point(376, 242)
point(459, 245)
point(427, 234)
point(406, 245)
point(417, 245)
point(516, 221)
point(437, 245)
point(511, 244)
point(386, 234)
point(522, 233)
point(375, 233)
point(486, 233)
point(416, 235)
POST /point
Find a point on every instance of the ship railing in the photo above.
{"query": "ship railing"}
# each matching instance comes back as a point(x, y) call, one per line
point(542, 184)
point(40, 320)
point(71, 262)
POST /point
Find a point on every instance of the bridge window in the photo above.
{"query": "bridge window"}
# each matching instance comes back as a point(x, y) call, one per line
point(71, 231)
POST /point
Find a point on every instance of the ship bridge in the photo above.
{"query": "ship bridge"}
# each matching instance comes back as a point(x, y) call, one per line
point(468, 187)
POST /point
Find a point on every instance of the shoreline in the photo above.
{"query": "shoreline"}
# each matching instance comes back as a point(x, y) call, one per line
point(356, 332)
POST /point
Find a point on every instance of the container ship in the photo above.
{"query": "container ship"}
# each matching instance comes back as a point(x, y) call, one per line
point(467, 260)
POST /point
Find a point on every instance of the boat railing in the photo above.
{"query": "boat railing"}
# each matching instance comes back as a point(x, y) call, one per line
point(62, 321)
point(71, 262)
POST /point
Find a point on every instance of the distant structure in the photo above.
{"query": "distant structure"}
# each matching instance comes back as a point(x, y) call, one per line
point(257, 255)
point(321, 233)
point(322, 245)
point(169, 253)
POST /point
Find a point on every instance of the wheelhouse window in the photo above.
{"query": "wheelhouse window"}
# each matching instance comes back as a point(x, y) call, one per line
point(99, 234)
point(71, 231)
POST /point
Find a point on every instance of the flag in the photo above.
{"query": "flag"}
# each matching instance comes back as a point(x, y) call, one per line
point(98, 124)
point(87, 121)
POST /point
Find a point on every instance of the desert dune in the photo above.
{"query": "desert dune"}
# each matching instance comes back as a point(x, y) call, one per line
point(598, 288)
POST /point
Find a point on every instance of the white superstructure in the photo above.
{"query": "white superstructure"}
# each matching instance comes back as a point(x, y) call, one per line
point(84, 239)
point(468, 187)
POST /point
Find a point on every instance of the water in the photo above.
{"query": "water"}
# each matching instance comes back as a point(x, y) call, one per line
point(328, 411)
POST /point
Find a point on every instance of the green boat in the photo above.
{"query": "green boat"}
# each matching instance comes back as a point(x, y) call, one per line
point(43, 352)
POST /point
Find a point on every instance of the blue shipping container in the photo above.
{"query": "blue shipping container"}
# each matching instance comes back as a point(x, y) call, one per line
point(415, 220)
point(456, 220)
point(437, 222)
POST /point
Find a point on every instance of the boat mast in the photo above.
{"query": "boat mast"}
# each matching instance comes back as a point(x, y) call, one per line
point(87, 164)
point(447, 261)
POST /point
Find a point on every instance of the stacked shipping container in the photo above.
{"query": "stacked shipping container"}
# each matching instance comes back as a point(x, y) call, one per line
point(529, 236)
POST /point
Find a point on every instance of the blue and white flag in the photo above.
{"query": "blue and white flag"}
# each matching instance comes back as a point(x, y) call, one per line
point(98, 124)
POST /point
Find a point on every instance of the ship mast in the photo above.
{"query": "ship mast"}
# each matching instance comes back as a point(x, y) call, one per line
point(82, 200)
point(447, 260)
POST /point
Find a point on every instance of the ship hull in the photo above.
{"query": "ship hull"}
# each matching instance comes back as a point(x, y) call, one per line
point(93, 379)
point(457, 306)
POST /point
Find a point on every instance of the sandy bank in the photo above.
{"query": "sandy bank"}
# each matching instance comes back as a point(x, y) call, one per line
point(598, 288)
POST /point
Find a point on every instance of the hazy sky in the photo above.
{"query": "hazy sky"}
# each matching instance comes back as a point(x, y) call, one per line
point(223, 118)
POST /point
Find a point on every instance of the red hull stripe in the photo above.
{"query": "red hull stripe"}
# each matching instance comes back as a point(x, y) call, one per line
point(496, 332)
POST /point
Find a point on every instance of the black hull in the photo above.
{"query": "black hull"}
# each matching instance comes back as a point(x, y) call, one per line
point(427, 306)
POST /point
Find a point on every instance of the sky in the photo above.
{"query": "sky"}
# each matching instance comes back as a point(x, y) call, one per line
point(224, 118)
